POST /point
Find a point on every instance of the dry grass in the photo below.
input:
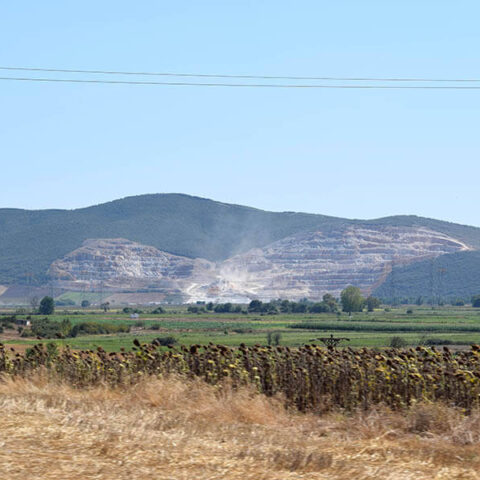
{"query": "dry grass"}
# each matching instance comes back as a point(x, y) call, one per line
point(173, 429)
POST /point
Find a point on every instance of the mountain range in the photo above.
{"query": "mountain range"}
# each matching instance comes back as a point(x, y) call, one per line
point(154, 248)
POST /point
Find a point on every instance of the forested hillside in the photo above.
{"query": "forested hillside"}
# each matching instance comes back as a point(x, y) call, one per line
point(196, 227)
point(446, 277)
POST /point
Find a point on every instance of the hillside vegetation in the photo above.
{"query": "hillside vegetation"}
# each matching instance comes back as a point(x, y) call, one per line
point(446, 277)
point(194, 227)
point(180, 224)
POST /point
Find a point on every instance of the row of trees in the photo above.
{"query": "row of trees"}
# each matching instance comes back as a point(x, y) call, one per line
point(351, 300)
point(455, 301)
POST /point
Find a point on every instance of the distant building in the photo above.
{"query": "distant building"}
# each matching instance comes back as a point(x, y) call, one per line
point(134, 316)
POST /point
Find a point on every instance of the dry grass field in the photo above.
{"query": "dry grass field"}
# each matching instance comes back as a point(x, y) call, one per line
point(178, 429)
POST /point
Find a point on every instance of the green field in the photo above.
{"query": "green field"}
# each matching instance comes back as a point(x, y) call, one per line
point(454, 325)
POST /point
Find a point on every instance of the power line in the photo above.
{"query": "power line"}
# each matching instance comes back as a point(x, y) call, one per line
point(245, 85)
point(262, 77)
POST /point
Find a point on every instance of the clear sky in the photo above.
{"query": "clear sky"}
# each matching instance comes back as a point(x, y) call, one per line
point(349, 153)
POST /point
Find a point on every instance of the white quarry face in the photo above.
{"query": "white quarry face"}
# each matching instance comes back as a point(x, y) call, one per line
point(312, 264)
point(307, 264)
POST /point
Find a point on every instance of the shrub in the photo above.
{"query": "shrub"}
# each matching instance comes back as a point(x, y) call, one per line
point(320, 307)
point(397, 342)
point(165, 341)
point(92, 328)
point(65, 303)
point(273, 338)
point(476, 301)
point(196, 309)
point(46, 328)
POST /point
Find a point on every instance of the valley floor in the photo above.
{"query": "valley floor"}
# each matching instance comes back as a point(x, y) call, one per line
point(171, 429)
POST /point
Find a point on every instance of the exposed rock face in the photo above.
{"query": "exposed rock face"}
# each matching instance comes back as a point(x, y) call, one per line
point(303, 265)
point(121, 264)
point(311, 264)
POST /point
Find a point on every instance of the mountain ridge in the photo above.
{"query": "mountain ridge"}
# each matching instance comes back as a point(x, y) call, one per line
point(178, 224)
point(248, 207)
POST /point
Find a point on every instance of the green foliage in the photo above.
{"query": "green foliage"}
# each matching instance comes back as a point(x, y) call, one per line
point(397, 342)
point(47, 328)
point(331, 302)
point(64, 303)
point(459, 325)
point(223, 308)
point(476, 301)
point(8, 322)
point(384, 327)
point(255, 306)
point(273, 338)
point(352, 300)
point(196, 309)
point(319, 308)
point(132, 310)
point(47, 306)
point(44, 328)
point(372, 303)
point(92, 328)
point(158, 311)
point(85, 304)
point(165, 341)
point(448, 277)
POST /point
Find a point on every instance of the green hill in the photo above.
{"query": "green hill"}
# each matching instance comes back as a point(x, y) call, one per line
point(180, 224)
point(449, 276)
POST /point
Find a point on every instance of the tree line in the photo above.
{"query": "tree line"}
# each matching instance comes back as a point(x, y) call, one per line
point(351, 300)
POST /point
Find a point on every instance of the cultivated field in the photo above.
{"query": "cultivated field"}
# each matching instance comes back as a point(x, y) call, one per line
point(104, 407)
point(455, 326)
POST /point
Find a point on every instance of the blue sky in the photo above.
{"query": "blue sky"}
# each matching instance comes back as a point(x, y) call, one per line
point(349, 153)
